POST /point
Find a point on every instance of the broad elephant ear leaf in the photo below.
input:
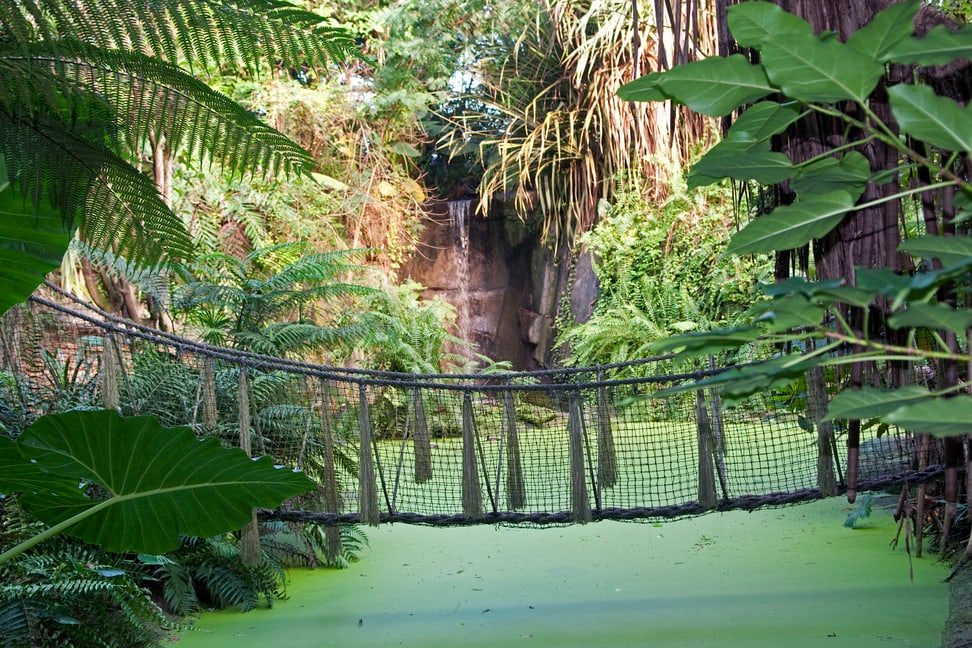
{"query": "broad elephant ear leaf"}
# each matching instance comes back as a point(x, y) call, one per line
point(33, 238)
point(154, 484)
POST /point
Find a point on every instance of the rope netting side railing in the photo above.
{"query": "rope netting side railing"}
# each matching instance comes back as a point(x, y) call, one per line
point(554, 447)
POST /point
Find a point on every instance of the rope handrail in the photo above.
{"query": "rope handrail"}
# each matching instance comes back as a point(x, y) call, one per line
point(544, 447)
point(497, 381)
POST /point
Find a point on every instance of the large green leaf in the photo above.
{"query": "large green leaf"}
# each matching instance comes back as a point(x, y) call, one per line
point(741, 382)
point(787, 312)
point(21, 476)
point(926, 116)
point(933, 316)
point(761, 121)
point(938, 416)
point(705, 342)
point(947, 249)
point(159, 483)
point(850, 173)
point(819, 69)
point(962, 202)
point(744, 153)
point(714, 86)
point(820, 292)
point(872, 402)
point(888, 28)
point(33, 238)
point(729, 159)
point(792, 226)
point(940, 46)
point(752, 23)
point(644, 88)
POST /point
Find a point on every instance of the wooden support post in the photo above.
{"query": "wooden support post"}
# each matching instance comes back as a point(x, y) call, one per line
point(607, 462)
point(207, 386)
point(367, 486)
point(580, 507)
point(421, 440)
point(251, 553)
point(707, 489)
point(472, 497)
point(110, 373)
point(515, 487)
point(817, 406)
point(332, 498)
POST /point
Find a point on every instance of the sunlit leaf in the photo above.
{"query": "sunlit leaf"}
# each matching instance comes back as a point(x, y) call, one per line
point(939, 417)
point(792, 226)
point(751, 23)
point(926, 116)
point(948, 249)
point(159, 483)
point(644, 88)
point(873, 402)
point(886, 29)
point(329, 182)
point(933, 316)
point(940, 46)
point(815, 69)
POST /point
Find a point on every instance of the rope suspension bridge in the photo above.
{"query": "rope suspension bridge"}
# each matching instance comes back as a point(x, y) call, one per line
point(544, 447)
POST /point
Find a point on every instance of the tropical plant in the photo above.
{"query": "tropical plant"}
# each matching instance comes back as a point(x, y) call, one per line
point(876, 320)
point(88, 88)
point(661, 270)
point(242, 302)
point(72, 594)
point(551, 129)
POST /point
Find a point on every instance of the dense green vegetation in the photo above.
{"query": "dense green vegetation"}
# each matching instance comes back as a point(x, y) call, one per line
point(255, 177)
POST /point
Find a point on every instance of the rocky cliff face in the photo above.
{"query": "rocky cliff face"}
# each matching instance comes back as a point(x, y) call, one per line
point(505, 285)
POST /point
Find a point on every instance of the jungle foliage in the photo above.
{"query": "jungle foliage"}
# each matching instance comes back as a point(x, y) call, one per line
point(838, 79)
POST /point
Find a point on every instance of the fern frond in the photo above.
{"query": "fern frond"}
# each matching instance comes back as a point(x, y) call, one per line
point(209, 33)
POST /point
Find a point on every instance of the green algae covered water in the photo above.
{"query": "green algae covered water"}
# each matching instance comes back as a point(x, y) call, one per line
point(788, 577)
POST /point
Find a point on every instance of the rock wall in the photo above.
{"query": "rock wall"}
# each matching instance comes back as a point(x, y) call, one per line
point(505, 285)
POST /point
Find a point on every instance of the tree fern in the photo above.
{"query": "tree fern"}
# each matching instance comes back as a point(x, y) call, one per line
point(85, 86)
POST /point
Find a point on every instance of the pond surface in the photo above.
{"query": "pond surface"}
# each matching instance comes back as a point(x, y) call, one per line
point(790, 577)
